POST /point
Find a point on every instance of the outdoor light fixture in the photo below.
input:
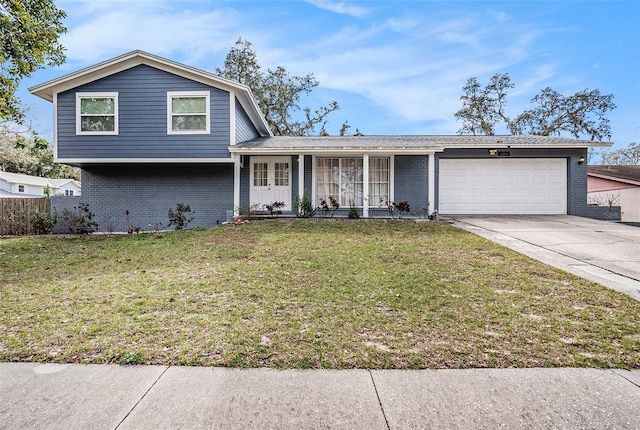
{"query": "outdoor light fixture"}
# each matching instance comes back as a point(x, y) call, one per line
point(580, 160)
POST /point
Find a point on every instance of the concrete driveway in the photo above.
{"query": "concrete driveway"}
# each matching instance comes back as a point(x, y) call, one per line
point(602, 251)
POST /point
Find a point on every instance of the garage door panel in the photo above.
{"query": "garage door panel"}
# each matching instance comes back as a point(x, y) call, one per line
point(503, 186)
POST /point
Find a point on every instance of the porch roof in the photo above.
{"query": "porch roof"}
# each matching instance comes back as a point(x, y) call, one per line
point(400, 144)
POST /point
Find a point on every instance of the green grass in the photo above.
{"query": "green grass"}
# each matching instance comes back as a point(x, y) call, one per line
point(305, 295)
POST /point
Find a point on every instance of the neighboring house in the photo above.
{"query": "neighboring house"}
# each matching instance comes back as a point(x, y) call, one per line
point(149, 133)
point(617, 186)
point(19, 185)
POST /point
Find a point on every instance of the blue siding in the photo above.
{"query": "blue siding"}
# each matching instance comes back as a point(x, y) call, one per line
point(244, 127)
point(142, 93)
point(411, 181)
point(576, 173)
point(149, 191)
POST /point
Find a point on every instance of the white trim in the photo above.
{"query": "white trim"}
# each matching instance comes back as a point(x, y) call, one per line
point(392, 178)
point(301, 175)
point(314, 163)
point(232, 118)
point(365, 185)
point(383, 152)
point(143, 160)
point(431, 183)
point(236, 185)
point(195, 94)
point(55, 127)
point(98, 95)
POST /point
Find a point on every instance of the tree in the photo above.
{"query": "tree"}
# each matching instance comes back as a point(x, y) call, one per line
point(277, 92)
point(31, 156)
point(29, 32)
point(623, 156)
point(582, 113)
point(483, 108)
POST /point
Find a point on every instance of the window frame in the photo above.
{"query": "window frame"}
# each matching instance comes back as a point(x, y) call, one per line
point(339, 185)
point(24, 188)
point(190, 94)
point(96, 95)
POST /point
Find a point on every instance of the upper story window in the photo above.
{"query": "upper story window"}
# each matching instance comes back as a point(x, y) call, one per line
point(21, 188)
point(96, 113)
point(68, 192)
point(188, 112)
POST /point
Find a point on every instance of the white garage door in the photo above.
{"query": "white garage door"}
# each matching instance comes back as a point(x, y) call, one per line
point(503, 186)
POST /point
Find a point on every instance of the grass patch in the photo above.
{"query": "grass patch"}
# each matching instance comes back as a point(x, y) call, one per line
point(399, 295)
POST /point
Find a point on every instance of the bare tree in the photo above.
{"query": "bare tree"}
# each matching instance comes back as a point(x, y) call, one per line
point(277, 92)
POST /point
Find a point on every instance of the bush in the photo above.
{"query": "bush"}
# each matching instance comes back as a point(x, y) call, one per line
point(304, 207)
point(354, 213)
point(42, 222)
point(79, 219)
point(181, 217)
point(329, 208)
point(275, 208)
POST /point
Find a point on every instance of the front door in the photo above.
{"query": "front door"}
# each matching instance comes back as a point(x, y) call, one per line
point(270, 181)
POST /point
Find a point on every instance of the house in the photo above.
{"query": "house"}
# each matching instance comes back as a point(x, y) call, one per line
point(149, 133)
point(617, 186)
point(19, 185)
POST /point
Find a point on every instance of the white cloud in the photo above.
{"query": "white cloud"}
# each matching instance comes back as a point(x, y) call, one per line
point(340, 7)
point(187, 35)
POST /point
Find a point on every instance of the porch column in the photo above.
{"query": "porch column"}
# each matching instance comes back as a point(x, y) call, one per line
point(236, 184)
point(431, 187)
point(300, 176)
point(365, 185)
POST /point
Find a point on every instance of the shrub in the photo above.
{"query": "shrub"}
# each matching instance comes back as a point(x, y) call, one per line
point(79, 219)
point(304, 207)
point(275, 208)
point(181, 217)
point(329, 208)
point(403, 207)
point(42, 222)
point(354, 213)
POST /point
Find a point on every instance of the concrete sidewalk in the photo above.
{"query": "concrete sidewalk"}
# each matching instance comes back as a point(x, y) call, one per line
point(604, 252)
point(54, 396)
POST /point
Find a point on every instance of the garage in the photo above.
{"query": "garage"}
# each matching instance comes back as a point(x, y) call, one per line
point(508, 186)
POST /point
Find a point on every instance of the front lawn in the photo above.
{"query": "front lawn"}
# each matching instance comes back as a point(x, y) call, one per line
point(305, 295)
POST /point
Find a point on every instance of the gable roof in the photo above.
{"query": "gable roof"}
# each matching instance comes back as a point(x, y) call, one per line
point(402, 144)
point(126, 61)
point(626, 174)
point(19, 178)
point(59, 183)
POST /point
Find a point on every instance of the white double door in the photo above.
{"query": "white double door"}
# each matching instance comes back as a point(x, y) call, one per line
point(270, 180)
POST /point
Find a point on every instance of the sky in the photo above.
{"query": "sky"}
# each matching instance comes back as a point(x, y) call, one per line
point(395, 67)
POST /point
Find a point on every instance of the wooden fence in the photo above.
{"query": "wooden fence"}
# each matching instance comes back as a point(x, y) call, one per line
point(16, 213)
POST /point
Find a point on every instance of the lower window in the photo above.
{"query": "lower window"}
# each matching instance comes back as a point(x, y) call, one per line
point(342, 179)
